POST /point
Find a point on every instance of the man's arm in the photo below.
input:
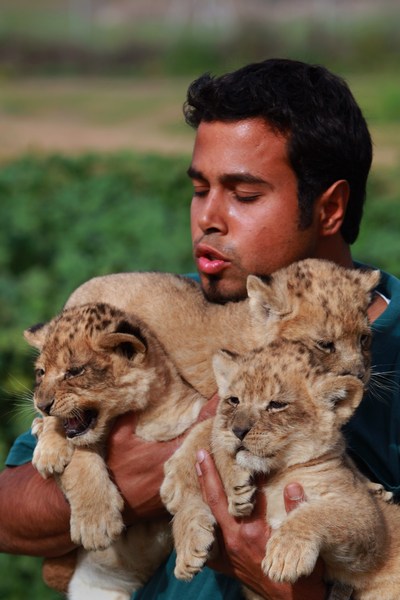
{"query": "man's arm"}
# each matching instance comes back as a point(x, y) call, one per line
point(34, 515)
point(242, 542)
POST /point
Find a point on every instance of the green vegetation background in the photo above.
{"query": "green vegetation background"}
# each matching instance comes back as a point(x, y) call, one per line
point(66, 219)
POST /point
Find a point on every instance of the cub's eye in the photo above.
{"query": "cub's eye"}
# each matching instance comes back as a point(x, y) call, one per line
point(39, 374)
point(233, 400)
point(74, 372)
point(275, 406)
point(326, 346)
point(365, 341)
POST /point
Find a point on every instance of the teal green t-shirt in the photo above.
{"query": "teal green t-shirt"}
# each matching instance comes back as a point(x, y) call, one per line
point(373, 437)
point(206, 585)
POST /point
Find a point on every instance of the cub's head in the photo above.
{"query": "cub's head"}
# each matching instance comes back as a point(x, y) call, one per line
point(277, 409)
point(92, 366)
point(322, 305)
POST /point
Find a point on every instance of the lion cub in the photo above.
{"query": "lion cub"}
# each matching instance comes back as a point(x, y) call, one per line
point(95, 363)
point(281, 414)
point(304, 301)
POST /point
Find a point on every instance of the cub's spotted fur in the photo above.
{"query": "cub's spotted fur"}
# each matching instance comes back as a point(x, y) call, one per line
point(281, 414)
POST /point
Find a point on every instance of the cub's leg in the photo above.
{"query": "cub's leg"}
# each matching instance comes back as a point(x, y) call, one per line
point(237, 481)
point(193, 523)
point(314, 528)
point(53, 451)
point(95, 501)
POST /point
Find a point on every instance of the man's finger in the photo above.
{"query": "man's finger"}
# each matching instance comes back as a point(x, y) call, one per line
point(293, 495)
point(210, 408)
point(211, 486)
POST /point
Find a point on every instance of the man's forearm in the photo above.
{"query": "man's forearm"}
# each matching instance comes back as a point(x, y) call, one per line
point(34, 515)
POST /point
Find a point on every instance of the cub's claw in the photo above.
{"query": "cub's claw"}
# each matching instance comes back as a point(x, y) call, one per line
point(287, 558)
point(51, 459)
point(194, 550)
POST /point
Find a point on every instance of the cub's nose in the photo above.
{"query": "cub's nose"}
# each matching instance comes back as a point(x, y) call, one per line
point(45, 405)
point(241, 432)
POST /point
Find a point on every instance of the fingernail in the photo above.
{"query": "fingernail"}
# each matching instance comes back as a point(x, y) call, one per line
point(294, 491)
point(200, 456)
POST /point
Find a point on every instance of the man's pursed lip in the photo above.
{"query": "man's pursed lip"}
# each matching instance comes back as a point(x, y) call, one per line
point(209, 261)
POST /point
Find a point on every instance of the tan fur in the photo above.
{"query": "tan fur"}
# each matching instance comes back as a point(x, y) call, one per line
point(189, 330)
point(96, 363)
point(281, 414)
point(313, 300)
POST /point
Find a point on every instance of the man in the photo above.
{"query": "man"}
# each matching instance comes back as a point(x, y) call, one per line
point(279, 169)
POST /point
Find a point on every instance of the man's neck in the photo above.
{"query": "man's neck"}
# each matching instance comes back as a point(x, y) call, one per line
point(334, 248)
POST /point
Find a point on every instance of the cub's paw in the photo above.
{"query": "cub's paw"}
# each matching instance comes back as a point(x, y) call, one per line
point(95, 532)
point(288, 557)
point(50, 459)
point(241, 497)
point(96, 527)
point(37, 427)
point(378, 490)
point(194, 550)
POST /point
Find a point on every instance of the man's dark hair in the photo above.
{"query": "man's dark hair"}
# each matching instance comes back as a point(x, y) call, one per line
point(328, 138)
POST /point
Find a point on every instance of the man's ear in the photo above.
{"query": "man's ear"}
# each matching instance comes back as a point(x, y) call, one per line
point(331, 207)
point(36, 335)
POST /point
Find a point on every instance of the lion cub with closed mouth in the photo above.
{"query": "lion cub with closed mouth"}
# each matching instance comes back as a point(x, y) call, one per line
point(314, 301)
point(281, 414)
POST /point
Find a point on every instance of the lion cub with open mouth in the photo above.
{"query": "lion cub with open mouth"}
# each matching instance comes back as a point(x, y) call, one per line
point(97, 362)
point(281, 414)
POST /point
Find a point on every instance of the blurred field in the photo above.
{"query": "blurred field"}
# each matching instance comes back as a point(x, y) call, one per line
point(76, 115)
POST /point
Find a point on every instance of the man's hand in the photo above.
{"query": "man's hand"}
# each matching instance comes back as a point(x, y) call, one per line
point(242, 541)
point(137, 466)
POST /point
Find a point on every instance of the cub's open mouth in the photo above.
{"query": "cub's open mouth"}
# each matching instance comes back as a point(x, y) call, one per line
point(80, 423)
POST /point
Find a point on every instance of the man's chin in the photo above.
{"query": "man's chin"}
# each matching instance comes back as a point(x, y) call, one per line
point(220, 292)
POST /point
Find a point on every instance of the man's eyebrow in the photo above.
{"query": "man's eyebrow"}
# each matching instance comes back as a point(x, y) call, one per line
point(231, 178)
point(195, 174)
point(228, 178)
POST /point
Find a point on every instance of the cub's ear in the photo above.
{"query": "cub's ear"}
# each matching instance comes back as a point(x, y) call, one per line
point(344, 394)
point(268, 297)
point(369, 278)
point(225, 367)
point(126, 344)
point(36, 335)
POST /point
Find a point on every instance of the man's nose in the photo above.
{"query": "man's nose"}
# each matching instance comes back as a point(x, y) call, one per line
point(211, 216)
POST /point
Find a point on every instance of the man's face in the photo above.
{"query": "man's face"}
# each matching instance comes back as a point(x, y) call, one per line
point(244, 212)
